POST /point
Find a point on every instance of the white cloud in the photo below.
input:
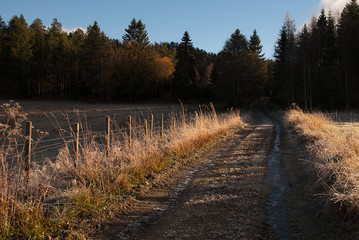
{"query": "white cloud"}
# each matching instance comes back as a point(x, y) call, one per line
point(73, 29)
point(333, 5)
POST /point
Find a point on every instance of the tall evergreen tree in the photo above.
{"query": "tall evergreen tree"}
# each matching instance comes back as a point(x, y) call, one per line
point(76, 40)
point(185, 75)
point(348, 38)
point(97, 54)
point(236, 44)
point(136, 32)
point(59, 49)
point(137, 67)
point(38, 60)
point(255, 44)
point(2, 52)
point(241, 72)
point(18, 53)
point(283, 88)
point(305, 73)
point(333, 97)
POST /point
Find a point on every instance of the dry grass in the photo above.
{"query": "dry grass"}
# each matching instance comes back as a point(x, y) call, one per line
point(65, 201)
point(336, 153)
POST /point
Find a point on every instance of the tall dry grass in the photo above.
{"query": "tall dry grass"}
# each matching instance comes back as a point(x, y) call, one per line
point(336, 155)
point(65, 200)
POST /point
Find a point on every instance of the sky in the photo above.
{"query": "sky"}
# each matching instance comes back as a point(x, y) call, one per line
point(209, 22)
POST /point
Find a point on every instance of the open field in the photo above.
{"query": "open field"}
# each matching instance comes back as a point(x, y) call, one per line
point(52, 116)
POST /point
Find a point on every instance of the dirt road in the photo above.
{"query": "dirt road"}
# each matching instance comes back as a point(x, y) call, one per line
point(236, 189)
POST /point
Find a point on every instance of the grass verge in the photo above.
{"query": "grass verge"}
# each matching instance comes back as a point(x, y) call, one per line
point(336, 154)
point(63, 200)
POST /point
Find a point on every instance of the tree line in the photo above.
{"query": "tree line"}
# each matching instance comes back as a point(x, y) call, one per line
point(316, 66)
point(42, 62)
point(46, 62)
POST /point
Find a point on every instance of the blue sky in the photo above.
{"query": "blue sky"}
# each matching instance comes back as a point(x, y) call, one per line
point(209, 22)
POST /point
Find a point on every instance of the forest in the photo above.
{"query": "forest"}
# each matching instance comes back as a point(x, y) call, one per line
point(314, 66)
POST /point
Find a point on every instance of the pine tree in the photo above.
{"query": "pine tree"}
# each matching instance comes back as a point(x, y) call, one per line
point(136, 32)
point(185, 75)
point(237, 43)
point(242, 73)
point(137, 69)
point(333, 97)
point(58, 57)
point(2, 57)
point(348, 38)
point(283, 88)
point(303, 58)
point(77, 39)
point(18, 53)
point(38, 60)
point(255, 44)
point(96, 63)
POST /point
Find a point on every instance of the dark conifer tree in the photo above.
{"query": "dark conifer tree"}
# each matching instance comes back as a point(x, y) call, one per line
point(333, 96)
point(77, 39)
point(18, 53)
point(241, 72)
point(255, 44)
point(237, 43)
point(38, 60)
point(137, 68)
point(304, 68)
point(137, 33)
point(2, 57)
point(348, 39)
point(185, 75)
point(97, 57)
point(283, 87)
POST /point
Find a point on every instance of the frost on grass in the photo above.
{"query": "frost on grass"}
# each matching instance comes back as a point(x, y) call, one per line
point(91, 190)
point(335, 153)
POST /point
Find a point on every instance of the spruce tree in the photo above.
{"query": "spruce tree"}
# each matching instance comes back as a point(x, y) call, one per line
point(333, 97)
point(137, 75)
point(38, 59)
point(283, 88)
point(237, 43)
point(185, 75)
point(97, 54)
point(2, 57)
point(348, 39)
point(136, 33)
point(18, 53)
point(255, 44)
point(304, 63)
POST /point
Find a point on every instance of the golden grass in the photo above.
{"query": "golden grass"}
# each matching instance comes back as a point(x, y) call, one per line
point(336, 154)
point(66, 201)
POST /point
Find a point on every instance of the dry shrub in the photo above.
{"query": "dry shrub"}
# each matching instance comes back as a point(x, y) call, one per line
point(63, 198)
point(336, 154)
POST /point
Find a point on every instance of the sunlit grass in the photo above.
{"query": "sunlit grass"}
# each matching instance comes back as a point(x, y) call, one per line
point(67, 201)
point(335, 151)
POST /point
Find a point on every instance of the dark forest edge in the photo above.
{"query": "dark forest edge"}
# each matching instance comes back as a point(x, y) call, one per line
point(314, 66)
